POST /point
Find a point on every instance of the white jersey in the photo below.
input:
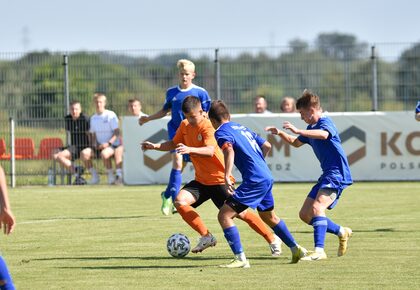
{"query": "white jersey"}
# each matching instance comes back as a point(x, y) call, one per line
point(103, 125)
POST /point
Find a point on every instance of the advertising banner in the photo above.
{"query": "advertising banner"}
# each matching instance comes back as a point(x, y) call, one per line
point(379, 146)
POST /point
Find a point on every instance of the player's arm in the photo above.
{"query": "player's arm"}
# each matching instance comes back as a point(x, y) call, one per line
point(313, 134)
point(205, 151)
point(418, 117)
point(290, 139)
point(165, 146)
point(158, 115)
point(229, 157)
point(266, 147)
point(7, 220)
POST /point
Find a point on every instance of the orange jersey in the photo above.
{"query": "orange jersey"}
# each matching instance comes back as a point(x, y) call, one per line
point(208, 170)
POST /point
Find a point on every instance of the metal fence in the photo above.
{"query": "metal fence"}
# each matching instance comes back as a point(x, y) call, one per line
point(36, 87)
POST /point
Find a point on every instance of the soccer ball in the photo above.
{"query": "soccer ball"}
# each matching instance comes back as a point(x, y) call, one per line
point(178, 245)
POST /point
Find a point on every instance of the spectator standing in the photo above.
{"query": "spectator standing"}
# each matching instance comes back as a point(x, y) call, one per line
point(260, 105)
point(288, 105)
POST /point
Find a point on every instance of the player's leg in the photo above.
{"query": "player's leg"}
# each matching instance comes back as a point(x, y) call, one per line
point(219, 194)
point(185, 202)
point(106, 155)
point(174, 184)
point(86, 155)
point(267, 214)
point(118, 156)
point(226, 215)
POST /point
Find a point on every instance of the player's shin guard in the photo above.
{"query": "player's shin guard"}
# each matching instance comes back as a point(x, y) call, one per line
point(6, 282)
point(191, 217)
point(233, 239)
point(175, 180)
point(320, 225)
point(283, 233)
point(255, 222)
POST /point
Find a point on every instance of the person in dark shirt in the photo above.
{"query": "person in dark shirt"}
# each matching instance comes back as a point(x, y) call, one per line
point(77, 124)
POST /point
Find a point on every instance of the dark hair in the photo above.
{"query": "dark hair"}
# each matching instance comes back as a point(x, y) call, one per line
point(308, 100)
point(219, 111)
point(74, 102)
point(190, 103)
point(134, 100)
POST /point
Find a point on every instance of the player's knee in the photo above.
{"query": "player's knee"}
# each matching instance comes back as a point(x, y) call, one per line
point(305, 216)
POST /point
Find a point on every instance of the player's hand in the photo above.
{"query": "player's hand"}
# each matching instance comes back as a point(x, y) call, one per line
point(272, 130)
point(182, 149)
point(289, 126)
point(230, 185)
point(7, 221)
point(143, 120)
point(147, 145)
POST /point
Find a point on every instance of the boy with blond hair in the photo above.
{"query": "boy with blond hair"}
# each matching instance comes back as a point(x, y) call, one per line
point(173, 103)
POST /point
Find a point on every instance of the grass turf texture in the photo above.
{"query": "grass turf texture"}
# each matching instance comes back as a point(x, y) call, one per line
point(100, 237)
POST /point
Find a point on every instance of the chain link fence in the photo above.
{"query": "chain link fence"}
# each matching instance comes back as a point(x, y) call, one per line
point(36, 87)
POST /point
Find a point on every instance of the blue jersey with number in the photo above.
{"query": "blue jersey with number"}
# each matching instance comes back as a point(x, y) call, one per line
point(418, 107)
point(249, 158)
point(330, 153)
point(174, 98)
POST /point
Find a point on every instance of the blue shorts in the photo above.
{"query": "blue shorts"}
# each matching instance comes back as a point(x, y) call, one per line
point(328, 181)
point(256, 195)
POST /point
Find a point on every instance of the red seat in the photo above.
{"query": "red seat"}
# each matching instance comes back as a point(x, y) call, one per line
point(24, 148)
point(48, 146)
point(3, 150)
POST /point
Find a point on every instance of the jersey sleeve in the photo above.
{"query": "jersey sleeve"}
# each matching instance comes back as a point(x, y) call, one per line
point(208, 135)
point(222, 138)
point(260, 140)
point(167, 105)
point(418, 107)
point(326, 124)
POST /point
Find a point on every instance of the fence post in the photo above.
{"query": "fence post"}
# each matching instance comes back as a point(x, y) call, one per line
point(217, 64)
point(374, 80)
point(67, 107)
point(12, 153)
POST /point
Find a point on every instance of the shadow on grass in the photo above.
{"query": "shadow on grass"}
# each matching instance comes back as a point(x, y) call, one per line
point(151, 258)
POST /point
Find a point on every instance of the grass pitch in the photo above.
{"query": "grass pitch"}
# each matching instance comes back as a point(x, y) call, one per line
point(100, 237)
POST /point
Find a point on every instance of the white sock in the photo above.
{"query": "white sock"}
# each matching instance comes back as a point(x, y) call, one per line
point(240, 257)
point(319, 250)
point(341, 232)
point(118, 172)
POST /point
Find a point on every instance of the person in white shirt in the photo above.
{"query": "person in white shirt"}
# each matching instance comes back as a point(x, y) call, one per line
point(106, 142)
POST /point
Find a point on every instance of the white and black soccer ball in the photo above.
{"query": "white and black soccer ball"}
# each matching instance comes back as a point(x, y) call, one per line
point(178, 245)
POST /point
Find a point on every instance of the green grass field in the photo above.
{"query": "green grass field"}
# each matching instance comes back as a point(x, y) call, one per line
point(115, 238)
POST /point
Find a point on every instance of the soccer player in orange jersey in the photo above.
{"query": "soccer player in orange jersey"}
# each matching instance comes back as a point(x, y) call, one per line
point(195, 137)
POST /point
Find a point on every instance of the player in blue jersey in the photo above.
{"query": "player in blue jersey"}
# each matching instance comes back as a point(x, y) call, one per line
point(322, 135)
point(247, 151)
point(418, 111)
point(173, 104)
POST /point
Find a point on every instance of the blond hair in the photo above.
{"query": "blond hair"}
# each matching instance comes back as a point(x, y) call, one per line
point(99, 95)
point(185, 65)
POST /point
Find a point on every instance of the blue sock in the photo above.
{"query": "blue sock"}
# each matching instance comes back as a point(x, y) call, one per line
point(283, 233)
point(175, 180)
point(320, 225)
point(6, 282)
point(332, 227)
point(233, 239)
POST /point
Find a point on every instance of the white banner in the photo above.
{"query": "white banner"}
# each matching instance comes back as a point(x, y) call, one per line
point(379, 146)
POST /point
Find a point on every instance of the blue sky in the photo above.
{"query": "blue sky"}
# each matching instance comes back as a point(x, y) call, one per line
point(58, 25)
